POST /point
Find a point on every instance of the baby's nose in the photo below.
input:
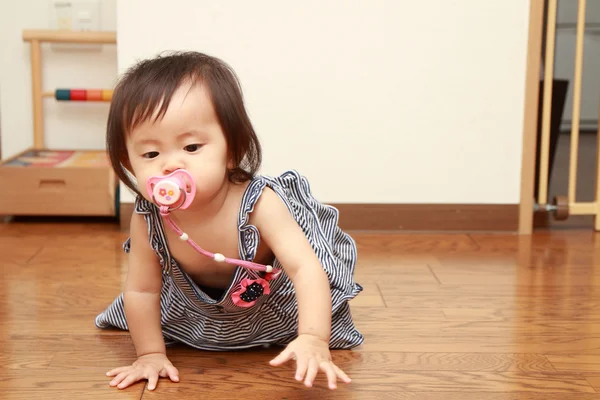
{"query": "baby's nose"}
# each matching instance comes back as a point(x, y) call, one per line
point(171, 167)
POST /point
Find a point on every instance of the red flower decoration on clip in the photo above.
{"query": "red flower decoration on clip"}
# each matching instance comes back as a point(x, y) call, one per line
point(249, 292)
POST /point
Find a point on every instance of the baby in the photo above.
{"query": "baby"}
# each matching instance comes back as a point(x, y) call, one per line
point(182, 116)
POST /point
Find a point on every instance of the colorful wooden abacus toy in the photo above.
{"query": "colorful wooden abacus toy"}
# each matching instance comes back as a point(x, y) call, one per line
point(81, 94)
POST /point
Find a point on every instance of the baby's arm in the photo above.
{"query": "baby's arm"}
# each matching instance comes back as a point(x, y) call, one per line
point(141, 299)
point(285, 238)
point(280, 231)
point(142, 292)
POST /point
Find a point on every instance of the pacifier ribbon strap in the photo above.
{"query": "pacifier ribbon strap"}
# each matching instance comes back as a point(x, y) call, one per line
point(164, 212)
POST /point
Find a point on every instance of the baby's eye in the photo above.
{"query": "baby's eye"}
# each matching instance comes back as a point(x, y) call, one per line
point(192, 147)
point(150, 154)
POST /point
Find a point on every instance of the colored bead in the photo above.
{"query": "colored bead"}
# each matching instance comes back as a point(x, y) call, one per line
point(78, 95)
point(94, 95)
point(107, 95)
point(62, 94)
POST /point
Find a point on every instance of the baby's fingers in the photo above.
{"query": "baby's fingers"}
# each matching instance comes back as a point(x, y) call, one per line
point(119, 378)
point(331, 374)
point(301, 366)
point(341, 374)
point(282, 358)
point(117, 371)
point(171, 372)
point(311, 374)
point(152, 381)
point(131, 378)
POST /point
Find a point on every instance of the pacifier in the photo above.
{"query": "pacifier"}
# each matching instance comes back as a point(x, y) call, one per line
point(176, 190)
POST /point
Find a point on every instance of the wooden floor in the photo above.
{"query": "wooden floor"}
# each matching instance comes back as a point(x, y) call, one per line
point(446, 316)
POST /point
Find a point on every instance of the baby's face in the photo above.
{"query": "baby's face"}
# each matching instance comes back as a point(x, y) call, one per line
point(188, 137)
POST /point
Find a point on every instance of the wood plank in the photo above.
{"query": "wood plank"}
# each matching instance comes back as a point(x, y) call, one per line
point(409, 274)
point(546, 240)
point(515, 314)
point(103, 343)
point(593, 380)
point(514, 275)
point(67, 36)
point(56, 384)
point(419, 322)
point(29, 360)
point(354, 361)
point(422, 244)
point(15, 251)
point(435, 343)
point(219, 381)
point(575, 362)
point(520, 292)
point(540, 304)
point(558, 294)
point(392, 316)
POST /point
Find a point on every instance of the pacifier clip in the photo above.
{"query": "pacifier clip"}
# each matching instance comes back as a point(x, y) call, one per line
point(176, 191)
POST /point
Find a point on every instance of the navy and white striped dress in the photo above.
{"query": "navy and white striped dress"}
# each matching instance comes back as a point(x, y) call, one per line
point(192, 317)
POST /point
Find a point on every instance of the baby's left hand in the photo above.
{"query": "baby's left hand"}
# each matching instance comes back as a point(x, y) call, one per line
point(311, 354)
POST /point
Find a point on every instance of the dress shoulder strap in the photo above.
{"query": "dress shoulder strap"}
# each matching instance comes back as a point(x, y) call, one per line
point(156, 234)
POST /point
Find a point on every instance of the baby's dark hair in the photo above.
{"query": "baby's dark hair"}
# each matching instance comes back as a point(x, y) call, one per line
point(151, 83)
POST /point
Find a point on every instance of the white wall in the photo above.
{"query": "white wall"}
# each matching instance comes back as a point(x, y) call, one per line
point(372, 101)
point(67, 125)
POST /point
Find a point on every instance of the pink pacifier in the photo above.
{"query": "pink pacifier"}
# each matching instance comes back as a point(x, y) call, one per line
point(174, 191)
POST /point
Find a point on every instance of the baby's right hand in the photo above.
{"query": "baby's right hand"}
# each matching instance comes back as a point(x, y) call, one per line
point(148, 366)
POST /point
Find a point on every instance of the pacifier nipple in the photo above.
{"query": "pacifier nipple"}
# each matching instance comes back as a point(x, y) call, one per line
point(176, 190)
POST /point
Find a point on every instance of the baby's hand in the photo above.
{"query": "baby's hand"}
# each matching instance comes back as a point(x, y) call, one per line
point(149, 366)
point(311, 354)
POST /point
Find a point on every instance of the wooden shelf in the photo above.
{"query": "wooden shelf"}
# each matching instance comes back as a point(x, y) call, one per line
point(41, 181)
point(65, 36)
point(58, 182)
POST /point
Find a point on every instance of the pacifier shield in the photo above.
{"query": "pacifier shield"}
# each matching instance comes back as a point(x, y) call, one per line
point(176, 190)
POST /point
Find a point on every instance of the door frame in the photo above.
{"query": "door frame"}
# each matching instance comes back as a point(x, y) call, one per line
point(530, 120)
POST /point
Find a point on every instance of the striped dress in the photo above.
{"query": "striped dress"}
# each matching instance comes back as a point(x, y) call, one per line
point(191, 316)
